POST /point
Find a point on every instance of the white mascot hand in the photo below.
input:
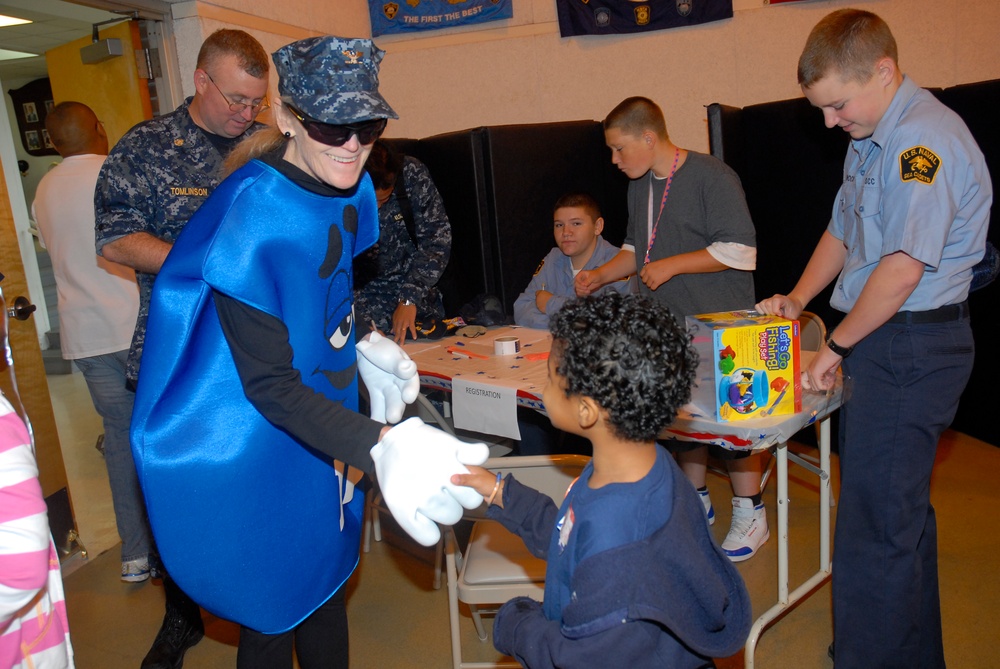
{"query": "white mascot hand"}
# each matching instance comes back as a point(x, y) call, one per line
point(414, 463)
point(390, 376)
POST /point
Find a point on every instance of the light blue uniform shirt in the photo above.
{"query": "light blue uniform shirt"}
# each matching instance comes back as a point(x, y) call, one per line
point(556, 275)
point(918, 185)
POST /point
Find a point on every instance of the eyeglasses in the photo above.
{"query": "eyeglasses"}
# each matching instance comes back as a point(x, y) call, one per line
point(338, 135)
point(238, 107)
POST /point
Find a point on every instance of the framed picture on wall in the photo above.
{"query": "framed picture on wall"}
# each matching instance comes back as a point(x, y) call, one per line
point(31, 104)
point(30, 113)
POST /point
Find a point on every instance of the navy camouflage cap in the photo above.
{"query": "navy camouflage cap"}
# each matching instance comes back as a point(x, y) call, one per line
point(333, 79)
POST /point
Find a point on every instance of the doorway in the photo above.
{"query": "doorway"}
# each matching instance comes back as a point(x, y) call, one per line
point(56, 23)
point(56, 26)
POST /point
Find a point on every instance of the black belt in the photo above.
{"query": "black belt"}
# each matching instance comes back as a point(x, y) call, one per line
point(945, 314)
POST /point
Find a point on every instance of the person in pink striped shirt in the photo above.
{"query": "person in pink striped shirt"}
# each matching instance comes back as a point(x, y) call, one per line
point(34, 631)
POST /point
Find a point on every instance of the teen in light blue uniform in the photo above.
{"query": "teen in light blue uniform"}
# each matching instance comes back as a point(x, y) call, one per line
point(577, 226)
point(908, 226)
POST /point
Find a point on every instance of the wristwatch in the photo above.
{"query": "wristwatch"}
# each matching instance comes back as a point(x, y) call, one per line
point(407, 302)
point(842, 351)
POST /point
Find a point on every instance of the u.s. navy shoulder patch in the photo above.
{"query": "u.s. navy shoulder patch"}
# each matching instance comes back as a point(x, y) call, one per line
point(918, 164)
point(540, 266)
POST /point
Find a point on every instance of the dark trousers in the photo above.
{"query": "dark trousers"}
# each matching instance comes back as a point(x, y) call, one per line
point(320, 641)
point(907, 380)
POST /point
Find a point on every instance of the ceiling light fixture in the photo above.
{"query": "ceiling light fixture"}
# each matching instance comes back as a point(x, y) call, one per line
point(6, 54)
point(11, 21)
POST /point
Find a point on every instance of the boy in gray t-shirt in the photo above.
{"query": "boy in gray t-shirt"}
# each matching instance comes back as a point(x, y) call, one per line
point(693, 245)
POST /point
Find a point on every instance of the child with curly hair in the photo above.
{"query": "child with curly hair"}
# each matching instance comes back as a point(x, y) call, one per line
point(634, 578)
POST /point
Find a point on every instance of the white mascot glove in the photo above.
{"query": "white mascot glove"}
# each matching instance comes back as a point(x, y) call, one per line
point(414, 463)
point(390, 376)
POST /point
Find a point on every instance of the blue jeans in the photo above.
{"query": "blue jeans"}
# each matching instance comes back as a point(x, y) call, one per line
point(105, 376)
point(907, 383)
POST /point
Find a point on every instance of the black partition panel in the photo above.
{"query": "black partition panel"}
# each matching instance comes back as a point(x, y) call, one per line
point(528, 167)
point(977, 104)
point(499, 185)
point(725, 134)
point(791, 166)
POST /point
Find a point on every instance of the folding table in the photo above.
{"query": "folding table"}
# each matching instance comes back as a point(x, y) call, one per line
point(440, 361)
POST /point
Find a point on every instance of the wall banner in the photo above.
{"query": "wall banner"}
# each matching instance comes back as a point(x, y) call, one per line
point(613, 17)
point(404, 16)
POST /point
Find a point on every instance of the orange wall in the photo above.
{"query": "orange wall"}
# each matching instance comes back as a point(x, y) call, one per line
point(112, 88)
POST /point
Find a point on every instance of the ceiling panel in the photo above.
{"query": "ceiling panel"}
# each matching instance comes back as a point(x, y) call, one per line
point(54, 23)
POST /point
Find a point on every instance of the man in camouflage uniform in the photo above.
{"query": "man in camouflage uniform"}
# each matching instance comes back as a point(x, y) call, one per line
point(396, 280)
point(162, 170)
point(153, 181)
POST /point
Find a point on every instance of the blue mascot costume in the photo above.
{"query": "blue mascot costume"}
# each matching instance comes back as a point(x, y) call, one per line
point(257, 527)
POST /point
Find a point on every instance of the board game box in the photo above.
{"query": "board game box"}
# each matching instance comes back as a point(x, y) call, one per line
point(754, 364)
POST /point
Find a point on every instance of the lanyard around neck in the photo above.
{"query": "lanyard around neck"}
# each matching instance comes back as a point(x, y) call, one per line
point(663, 202)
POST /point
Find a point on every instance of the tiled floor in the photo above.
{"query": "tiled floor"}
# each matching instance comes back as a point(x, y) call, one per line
point(398, 620)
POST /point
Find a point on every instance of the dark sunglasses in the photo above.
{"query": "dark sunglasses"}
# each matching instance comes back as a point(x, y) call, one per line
point(338, 135)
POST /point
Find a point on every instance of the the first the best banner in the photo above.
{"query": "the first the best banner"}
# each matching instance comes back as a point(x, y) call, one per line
point(417, 15)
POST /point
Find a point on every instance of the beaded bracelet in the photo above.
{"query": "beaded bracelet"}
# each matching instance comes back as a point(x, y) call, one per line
point(496, 489)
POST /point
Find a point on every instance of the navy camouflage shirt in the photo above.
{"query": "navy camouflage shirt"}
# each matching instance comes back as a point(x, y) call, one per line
point(403, 270)
point(153, 181)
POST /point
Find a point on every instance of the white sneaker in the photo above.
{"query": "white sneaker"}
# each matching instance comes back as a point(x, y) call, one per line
point(135, 571)
point(748, 531)
point(706, 501)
